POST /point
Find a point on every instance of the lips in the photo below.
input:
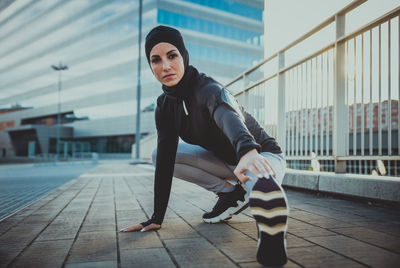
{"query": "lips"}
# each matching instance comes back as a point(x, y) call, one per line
point(168, 76)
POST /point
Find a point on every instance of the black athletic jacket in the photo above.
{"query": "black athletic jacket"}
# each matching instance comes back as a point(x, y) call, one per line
point(201, 112)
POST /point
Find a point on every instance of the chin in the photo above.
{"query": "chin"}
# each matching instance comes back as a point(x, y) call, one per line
point(170, 83)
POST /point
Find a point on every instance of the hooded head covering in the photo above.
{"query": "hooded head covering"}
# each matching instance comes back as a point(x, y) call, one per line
point(170, 35)
point(180, 92)
point(166, 34)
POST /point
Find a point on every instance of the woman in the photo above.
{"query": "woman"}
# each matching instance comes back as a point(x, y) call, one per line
point(220, 137)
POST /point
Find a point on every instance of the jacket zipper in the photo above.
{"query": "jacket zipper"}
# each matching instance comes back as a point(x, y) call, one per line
point(184, 108)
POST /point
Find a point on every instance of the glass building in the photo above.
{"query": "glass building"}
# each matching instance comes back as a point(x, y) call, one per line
point(98, 42)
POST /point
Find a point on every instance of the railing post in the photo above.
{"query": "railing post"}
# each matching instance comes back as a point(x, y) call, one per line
point(281, 129)
point(246, 93)
point(340, 139)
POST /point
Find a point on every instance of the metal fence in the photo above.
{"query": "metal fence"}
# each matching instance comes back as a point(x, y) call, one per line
point(336, 109)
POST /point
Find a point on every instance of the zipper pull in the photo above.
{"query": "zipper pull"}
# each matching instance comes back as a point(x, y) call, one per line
point(184, 108)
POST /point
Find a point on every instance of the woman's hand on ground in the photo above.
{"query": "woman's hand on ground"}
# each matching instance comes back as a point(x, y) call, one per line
point(255, 163)
point(140, 227)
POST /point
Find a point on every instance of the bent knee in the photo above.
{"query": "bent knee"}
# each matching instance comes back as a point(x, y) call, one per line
point(185, 158)
point(181, 157)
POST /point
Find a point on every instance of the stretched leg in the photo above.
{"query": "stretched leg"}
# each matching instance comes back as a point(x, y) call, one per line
point(269, 207)
point(277, 162)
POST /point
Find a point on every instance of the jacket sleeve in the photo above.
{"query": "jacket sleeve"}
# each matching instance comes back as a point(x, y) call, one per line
point(166, 152)
point(229, 118)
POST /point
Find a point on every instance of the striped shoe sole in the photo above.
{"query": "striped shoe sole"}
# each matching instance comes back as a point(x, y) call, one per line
point(269, 207)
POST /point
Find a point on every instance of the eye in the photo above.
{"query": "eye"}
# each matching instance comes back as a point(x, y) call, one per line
point(155, 60)
point(172, 56)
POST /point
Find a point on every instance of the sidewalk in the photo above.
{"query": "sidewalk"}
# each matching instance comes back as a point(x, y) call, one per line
point(77, 225)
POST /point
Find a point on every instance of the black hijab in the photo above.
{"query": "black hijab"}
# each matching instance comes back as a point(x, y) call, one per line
point(178, 93)
point(170, 35)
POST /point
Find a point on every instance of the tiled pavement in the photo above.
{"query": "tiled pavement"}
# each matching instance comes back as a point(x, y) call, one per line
point(77, 226)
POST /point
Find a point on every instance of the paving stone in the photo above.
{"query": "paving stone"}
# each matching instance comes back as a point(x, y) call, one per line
point(100, 219)
point(58, 231)
point(125, 204)
point(9, 250)
point(391, 228)
point(364, 253)
point(38, 219)
point(193, 219)
point(289, 264)
point(372, 237)
point(7, 223)
point(293, 241)
point(88, 247)
point(98, 227)
point(127, 218)
point(316, 256)
point(22, 233)
point(343, 219)
point(249, 228)
point(44, 254)
point(219, 233)
point(175, 229)
point(134, 240)
point(244, 250)
point(304, 229)
point(97, 264)
point(72, 217)
point(320, 220)
point(149, 257)
point(197, 252)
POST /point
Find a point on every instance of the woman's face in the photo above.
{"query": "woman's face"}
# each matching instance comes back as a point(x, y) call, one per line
point(167, 64)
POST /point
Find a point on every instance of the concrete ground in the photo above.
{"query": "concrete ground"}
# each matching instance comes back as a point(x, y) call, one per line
point(77, 225)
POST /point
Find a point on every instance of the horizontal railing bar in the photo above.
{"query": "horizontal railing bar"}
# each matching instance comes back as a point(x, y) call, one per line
point(309, 158)
point(320, 26)
point(260, 64)
point(355, 157)
point(325, 23)
point(255, 84)
point(240, 76)
point(382, 19)
point(395, 12)
point(235, 80)
point(318, 52)
point(324, 49)
point(369, 157)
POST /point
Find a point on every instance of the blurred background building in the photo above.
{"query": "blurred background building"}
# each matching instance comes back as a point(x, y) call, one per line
point(97, 40)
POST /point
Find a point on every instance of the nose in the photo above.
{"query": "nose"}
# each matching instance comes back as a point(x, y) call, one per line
point(166, 65)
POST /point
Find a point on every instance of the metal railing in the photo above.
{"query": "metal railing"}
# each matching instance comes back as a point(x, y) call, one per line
point(336, 109)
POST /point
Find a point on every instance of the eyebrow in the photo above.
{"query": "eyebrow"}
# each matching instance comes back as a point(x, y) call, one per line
point(169, 52)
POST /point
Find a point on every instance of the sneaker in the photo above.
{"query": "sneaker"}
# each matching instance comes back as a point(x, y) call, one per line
point(269, 206)
point(228, 204)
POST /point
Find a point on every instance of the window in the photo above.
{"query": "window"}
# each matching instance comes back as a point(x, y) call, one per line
point(213, 28)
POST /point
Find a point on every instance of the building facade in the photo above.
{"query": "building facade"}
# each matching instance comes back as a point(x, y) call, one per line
point(98, 41)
